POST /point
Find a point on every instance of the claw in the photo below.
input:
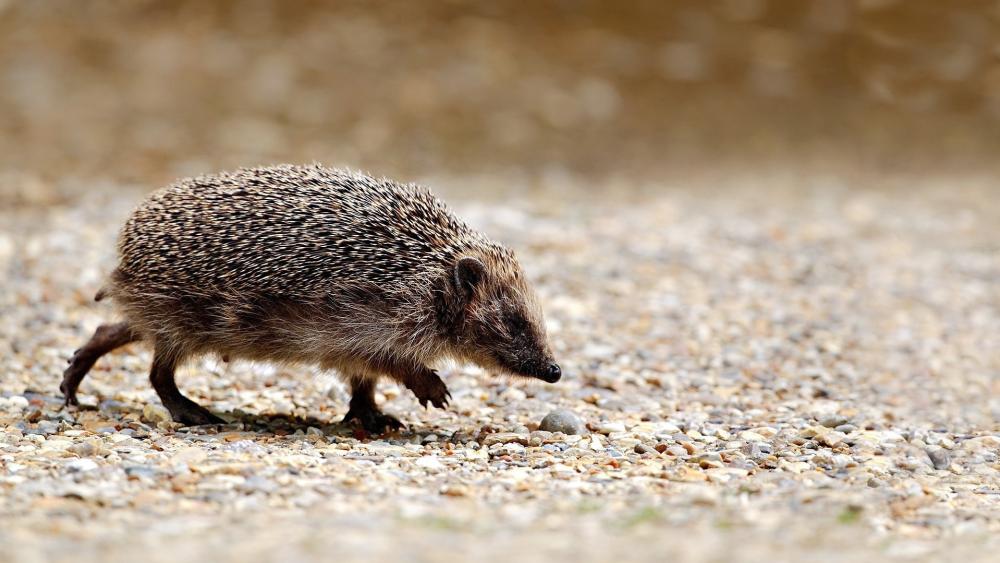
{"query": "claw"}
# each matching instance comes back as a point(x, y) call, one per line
point(373, 422)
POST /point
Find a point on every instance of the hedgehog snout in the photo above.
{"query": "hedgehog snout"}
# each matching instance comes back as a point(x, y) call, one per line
point(552, 373)
point(549, 372)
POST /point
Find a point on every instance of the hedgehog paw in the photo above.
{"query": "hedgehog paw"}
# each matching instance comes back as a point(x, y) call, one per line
point(69, 396)
point(430, 389)
point(373, 421)
point(193, 414)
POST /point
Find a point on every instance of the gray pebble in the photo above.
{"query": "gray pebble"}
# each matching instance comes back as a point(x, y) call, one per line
point(562, 420)
point(940, 458)
point(141, 471)
point(757, 450)
point(833, 421)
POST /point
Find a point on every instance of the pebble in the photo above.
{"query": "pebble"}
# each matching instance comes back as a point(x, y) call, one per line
point(831, 438)
point(611, 427)
point(757, 450)
point(16, 403)
point(145, 471)
point(81, 465)
point(430, 463)
point(88, 448)
point(505, 438)
point(833, 421)
point(939, 457)
point(564, 421)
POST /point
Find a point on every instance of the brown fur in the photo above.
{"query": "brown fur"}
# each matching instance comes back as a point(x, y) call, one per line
point(304, 264)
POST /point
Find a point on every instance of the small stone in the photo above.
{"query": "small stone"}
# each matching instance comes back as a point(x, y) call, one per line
point(688, 474)
point(765, 431)
point(644, 449)
point(539, 437)
point(455, 490)
point(981, 443)
point(114, 407)
point(17, 402)
point(137, 471)
point(705, 463)
point(562, 420)
point(833, 421)
point(611, 427)
point(667, 428)
point(831, 439)
point(795, 467)
point(89, 448)
point(939, 457)
point(429, 463)
point(506, 438)
point(812, 431)
point(81, 465)
point(155, 414)
point(47, 427)
point(627, 443)
point(757, 450)
point(513, 394)
point(596, 444)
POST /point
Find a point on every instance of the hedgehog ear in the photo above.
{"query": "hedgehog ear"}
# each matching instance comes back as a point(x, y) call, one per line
point(469, 273)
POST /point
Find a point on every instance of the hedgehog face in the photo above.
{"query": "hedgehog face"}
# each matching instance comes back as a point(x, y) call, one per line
point(499, 325)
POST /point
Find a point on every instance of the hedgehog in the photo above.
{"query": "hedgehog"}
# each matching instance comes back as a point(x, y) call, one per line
point(366, 277)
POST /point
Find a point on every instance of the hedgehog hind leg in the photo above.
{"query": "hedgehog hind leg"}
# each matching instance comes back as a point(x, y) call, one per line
point(182, 409)
point(106, 338)
point(363, 410)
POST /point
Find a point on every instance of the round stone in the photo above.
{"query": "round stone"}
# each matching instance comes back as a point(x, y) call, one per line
point(562, 420)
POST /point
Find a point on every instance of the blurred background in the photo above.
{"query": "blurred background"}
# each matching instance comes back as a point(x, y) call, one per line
point(526, 93)
point(778, 215)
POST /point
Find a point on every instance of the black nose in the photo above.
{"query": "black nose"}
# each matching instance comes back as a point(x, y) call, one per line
point(553, 373)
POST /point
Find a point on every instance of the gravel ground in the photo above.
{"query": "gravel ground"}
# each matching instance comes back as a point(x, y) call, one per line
point(808, 375)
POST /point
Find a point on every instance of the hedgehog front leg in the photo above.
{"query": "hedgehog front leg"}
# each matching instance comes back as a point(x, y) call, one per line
point(425, 384)
point(365, 412)
point(181, 408)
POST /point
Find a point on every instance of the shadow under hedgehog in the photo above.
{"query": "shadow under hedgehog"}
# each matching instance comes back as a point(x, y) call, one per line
point(308, 264)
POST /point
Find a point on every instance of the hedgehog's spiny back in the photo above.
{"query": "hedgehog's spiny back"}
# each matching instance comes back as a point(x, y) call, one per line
point(291, 230)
